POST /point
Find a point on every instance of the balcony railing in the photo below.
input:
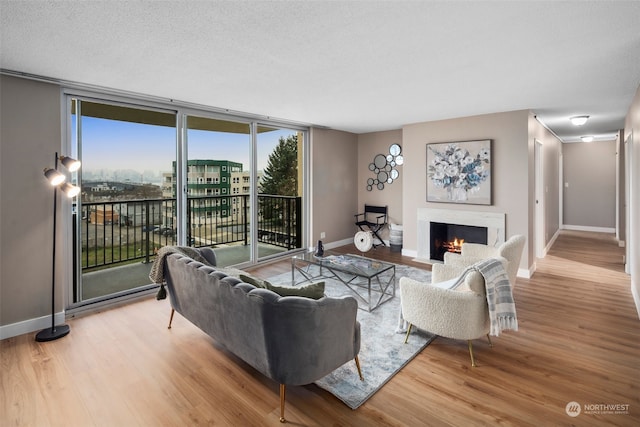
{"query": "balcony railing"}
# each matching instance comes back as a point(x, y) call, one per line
point(123, 231)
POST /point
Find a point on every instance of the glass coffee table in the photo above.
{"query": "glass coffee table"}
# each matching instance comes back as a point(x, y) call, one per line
point(372, 282)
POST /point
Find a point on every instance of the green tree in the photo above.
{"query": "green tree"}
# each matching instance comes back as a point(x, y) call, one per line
point(280, 177)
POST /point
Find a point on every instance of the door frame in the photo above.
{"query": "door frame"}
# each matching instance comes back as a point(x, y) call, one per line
point(539, 203)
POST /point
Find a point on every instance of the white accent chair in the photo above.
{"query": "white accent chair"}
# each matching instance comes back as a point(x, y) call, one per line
point(471, 253)
point(461, 313)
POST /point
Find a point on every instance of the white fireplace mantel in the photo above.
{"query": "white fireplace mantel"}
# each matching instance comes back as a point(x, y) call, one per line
point(495, 223)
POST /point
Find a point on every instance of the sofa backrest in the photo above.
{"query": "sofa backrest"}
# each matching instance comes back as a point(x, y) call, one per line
point(282, 337)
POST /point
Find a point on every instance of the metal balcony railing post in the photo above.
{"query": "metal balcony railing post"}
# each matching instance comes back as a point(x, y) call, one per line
point(289, 219)
point(189, 222)
point(147, 228)
point(246, 219)
point(298, 242)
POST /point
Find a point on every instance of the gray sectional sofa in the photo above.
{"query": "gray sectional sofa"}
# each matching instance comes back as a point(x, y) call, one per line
point(292, 340)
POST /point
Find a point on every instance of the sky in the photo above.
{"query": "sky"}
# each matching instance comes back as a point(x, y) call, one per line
point(112, 145)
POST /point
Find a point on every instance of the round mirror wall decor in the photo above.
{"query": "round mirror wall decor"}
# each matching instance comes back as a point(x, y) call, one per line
point(370, 184)
point(380, 161)
point(384, 167)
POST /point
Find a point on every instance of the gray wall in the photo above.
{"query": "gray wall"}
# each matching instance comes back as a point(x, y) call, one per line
point(590, 173)
point(29, 137)
point(334, 159)
point(551, 159)
point(370, 145)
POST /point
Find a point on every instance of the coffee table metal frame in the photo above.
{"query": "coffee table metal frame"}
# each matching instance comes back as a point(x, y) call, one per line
point(349, 272)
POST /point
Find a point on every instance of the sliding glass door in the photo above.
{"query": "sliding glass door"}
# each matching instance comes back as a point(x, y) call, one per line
point(218, 179)
point(121, 216)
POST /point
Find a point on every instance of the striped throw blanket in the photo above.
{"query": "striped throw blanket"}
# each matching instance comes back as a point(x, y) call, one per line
point(502, 308)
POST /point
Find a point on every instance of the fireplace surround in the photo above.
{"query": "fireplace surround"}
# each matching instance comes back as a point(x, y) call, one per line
point(493, 221)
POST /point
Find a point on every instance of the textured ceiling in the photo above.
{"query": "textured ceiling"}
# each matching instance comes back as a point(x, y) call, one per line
point(356, 66)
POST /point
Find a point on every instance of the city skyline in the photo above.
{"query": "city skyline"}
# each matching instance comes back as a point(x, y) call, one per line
point(149, 150)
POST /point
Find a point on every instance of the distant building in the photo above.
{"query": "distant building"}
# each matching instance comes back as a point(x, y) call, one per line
point(210, 182)
point(104, 215)
point(102, 187)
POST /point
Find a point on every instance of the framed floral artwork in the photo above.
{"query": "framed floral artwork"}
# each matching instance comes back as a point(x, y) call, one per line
point(459, 172)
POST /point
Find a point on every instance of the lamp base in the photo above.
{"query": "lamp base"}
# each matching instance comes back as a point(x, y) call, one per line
point(51, 334)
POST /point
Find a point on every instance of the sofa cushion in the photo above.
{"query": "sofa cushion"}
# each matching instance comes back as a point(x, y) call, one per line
point(255, 281)
point(312, 290)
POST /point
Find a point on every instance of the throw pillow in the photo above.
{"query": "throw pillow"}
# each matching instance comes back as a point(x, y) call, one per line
point(252, 280)
point(313, 290)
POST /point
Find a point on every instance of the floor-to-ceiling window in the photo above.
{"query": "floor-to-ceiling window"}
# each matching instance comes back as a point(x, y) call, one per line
point(121, 213)
point(153, 177)
point(280, 188)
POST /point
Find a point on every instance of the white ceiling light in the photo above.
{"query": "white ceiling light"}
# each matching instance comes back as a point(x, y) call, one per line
point(586, 138)
point(579, 120)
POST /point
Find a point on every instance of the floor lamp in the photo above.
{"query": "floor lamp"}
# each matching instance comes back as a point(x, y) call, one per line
point(57, 180)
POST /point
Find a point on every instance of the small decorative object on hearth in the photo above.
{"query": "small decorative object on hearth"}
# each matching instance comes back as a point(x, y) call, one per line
point(57, 179)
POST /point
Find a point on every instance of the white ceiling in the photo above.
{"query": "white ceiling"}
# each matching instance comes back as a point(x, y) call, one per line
point(357, 66)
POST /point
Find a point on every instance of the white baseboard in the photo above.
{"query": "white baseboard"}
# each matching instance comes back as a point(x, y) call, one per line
point(586, 228)
point(343, 242)
point(636, 295)
point(551, 242)
point(336, 244)
point(409, 253)
point(31, 325)
point(526, 273)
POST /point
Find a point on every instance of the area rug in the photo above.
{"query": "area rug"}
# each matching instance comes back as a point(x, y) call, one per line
point(382, 350)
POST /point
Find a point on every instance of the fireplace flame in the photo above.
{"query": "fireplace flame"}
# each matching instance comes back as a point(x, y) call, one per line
point(455, 245)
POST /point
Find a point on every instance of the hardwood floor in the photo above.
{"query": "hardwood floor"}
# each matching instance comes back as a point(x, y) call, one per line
point(579, 340)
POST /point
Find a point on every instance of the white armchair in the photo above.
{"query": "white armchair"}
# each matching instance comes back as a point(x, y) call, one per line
point(461, 313)
point(471, 253)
